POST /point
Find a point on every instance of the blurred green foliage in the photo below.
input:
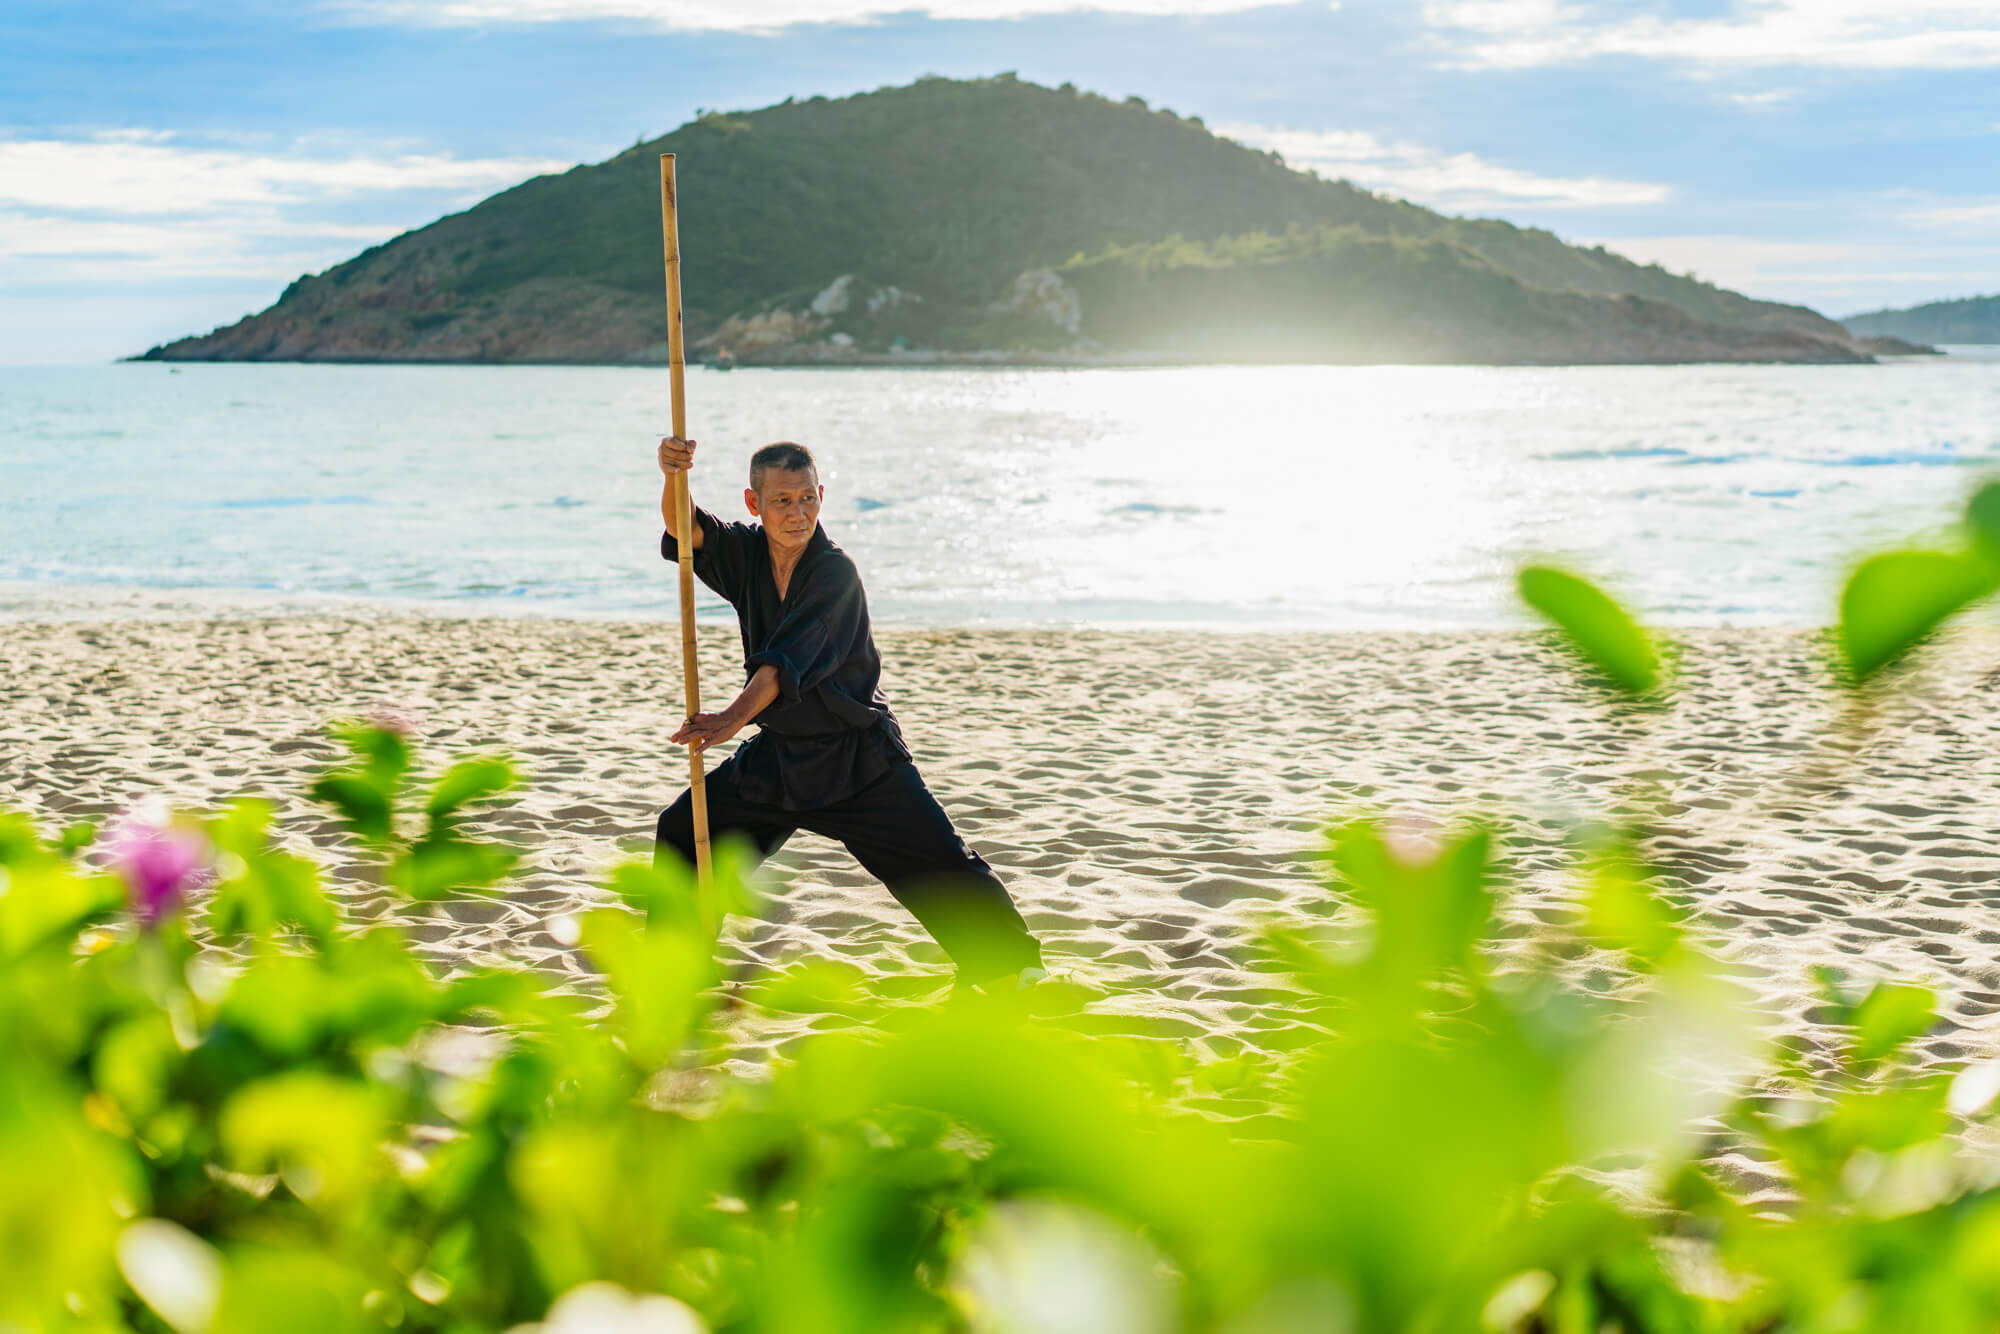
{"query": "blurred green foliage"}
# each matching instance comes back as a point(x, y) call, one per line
point(1894, 600)
point(1603, 632)
point(255, 1113)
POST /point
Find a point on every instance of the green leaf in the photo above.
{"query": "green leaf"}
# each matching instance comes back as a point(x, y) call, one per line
point(1890, 1117)
point(274, 890)
point(281, 1001)
point(18, 843)
point(1623, 911)
point(1231, 1073)
point(1890, 1015)
point(666, 895)
point(816, 986)
point(1429, 914)
point(383, 993)
point(658, 978)
point(261, 889)
point(322, 1133)
point(76, 837)
point(366, 795)
point(1839, 994)
point(1595, 626)
point(1297, 955)
point(383, 755)
point(672, 897)
point(47, 900)
point(468, 781)
point(133, 1062)
point(243, 827)
point(68, 1190)
point(733, 886)
point(1894, 600)
point(444, 865)
point(300, 1291)
point(1982, 516)
point(363, 805)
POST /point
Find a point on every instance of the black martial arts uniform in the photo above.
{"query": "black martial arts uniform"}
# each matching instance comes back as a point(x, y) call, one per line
point(828, 756)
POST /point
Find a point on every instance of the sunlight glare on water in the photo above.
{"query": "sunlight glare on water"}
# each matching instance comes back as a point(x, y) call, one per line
point(1226, 496)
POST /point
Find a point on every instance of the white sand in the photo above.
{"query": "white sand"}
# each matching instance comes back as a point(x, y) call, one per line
point(1149, 797)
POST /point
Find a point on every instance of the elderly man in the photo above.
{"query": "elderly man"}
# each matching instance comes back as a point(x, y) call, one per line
point(828, 756)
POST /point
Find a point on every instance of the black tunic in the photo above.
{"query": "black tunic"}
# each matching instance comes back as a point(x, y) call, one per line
point(829, 733)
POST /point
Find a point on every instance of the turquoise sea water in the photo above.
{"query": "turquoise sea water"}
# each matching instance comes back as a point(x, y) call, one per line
point(1272, 496)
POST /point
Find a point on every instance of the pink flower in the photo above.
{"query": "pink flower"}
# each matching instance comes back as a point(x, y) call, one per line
point(394, 718)
point(1413, 839)
point(158, 861)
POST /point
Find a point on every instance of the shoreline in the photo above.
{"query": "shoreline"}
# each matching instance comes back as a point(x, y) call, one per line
point(1962, 352)
point(35, 603)
point(1011, 360)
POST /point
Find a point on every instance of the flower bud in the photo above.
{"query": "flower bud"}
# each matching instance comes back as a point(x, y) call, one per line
point(158, 861)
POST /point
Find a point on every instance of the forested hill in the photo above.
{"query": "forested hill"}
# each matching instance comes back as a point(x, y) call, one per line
point(950, 219)
point(1975, 319)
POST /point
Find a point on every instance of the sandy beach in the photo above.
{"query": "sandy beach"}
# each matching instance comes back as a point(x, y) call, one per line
point(1149, 797)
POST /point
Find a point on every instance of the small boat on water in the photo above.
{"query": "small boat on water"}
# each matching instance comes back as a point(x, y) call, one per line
point(724, 359)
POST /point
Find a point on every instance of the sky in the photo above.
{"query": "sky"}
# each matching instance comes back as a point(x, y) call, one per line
point(168, 166)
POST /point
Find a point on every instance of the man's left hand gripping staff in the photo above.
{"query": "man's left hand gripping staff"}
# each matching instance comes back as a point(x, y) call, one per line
point(712, 729)
point(707, 729)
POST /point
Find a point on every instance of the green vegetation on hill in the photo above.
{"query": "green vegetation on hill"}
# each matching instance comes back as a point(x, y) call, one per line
point(1340, 294)
point(945, 191)
point(1540, 259)
point(1975, 319)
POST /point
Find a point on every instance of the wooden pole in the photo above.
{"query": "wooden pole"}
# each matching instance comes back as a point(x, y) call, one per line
point(670, 229)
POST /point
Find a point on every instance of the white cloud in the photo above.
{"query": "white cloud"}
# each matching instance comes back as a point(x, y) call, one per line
point(1830, 275)
point(754, 15)
point(1983, 218)
point(1770, 97)
point(1846, 34)
point(136, 203)
point(1740, 261)
point(1455, 182)
point(146, 173)
point(46, 249)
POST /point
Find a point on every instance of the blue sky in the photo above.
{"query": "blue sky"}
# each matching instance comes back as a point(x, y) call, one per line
point(169, 165)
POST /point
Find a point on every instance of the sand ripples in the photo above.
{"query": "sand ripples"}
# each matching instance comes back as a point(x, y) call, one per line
point(1150, 797)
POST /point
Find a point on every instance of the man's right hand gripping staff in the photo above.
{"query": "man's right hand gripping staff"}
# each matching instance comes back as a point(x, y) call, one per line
point(676, 456)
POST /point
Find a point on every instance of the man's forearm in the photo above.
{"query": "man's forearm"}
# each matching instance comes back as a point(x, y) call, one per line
point(676, 458)
point(757, 696)
point(673, 520)
point(712, 729)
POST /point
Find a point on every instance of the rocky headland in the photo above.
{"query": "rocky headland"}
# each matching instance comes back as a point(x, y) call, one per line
point(994, 221)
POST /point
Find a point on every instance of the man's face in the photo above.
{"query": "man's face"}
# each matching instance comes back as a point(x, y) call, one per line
point(788, 504)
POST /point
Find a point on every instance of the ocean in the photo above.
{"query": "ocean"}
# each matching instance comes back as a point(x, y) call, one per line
point(1229, 497)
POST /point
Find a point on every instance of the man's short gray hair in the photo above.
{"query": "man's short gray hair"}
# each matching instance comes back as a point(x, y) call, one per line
point(783, 455)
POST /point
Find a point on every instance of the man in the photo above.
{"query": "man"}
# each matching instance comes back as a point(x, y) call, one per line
point(828, 756)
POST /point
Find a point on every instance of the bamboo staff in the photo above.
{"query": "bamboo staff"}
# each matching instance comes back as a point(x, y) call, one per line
point(670, 228)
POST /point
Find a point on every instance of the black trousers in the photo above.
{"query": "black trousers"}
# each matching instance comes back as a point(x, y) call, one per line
point(898, 832)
